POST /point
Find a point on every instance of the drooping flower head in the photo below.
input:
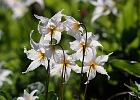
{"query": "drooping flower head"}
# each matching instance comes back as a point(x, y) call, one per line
point(38, 54)
point(89, 45)
point(52, 28)
point(65, 65)
point(73, 27)
point(95, 64)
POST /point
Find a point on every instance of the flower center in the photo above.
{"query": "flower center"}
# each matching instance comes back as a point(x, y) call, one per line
point(41, 55)
point(66, 62)
point(83, 44)
point(105, 8)
point(92, 65)
point(21, 9)
point(52, 29)
point(76, 25)
point(29, 99)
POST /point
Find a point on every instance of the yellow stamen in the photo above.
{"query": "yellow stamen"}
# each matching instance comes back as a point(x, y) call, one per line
point(105, 8)
point(76, 25)
point(52, 29)
point(66, 62)
point(92, 65)
point(29, 98)
point(41, 55)
point(83, 44)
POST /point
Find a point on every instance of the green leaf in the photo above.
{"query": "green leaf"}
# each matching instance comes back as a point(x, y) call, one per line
point(41, 97)
point(2, 98)
point(5, 95)
point(52, 96)
point(132, 89)
point(36, 86)
point(129, 67)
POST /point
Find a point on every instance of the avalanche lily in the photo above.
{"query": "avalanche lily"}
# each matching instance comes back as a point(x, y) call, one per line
point(95, 64)
point(73, 27)
point(90, 46)
point(65, 66)
point(52, 27)
point(38, 54)
point(28, 96)
point(103, 7)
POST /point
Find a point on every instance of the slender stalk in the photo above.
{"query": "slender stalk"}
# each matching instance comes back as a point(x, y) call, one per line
point(87, 83)
point(81, 75)
point(47, 80)
point(63, 74)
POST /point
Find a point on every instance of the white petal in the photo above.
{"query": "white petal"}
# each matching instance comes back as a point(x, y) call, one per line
point(102, 59)
point(76, 68)
point(26, 94)
point(101, 70)
point(90, 75)
point(138, 85)
point(6, 73)
point(33, 92)
point(31, 54)
point(56, 69)
point(95, 43)
point(57, 36)
point(44, 20)
point(67, 74)
point(33, 44)
point(94, 3)
point(74, 45)
point(20, 98)
point(34, 64)
point(85, 69)
point(79, 55)
point(1, 83)
point(88, 55)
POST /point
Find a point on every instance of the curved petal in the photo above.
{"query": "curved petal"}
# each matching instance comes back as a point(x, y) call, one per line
point(26, 94)
point(20, 98)
point(33, 44)
point(102, 59)
point(101, 70)
point(85, 69)
point(67, 74)
point(57, 36)
point(6, 73)
point(90, 75)
point(56, 69)
point(34, 64)
point(76, 68)
point(31, 54)
point(33, 92)
point(74, 45)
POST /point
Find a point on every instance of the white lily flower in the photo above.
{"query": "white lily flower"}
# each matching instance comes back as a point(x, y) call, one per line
point(103, 7)
point(90, 46)
point(65, 66)
point(73, 27)
point(11, 3)
point(38, 54)
point(3, 75)
point(19, 10)
point(52, 27)
point(28, 96)
point(95, 64)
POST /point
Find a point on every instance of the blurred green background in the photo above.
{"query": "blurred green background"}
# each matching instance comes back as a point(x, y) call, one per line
point(120, 35)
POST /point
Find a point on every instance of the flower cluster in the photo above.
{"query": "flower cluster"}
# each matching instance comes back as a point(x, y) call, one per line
point(20, 7)
point(45, 53)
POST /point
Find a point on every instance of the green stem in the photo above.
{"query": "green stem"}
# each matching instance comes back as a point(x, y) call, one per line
point(81, 75)
point(63, 74)
point(47, 80)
